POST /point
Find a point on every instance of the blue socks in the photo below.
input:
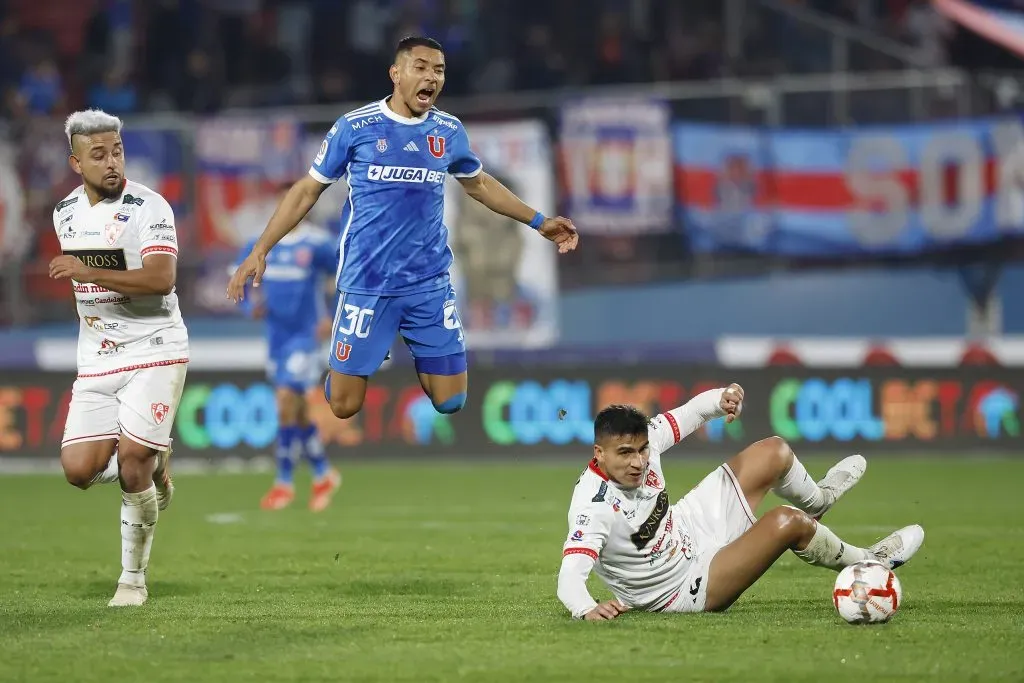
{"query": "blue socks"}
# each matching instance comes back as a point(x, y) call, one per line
point(286, 437)
point(314, 450)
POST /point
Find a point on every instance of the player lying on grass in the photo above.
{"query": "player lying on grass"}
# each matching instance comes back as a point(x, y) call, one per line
point(703, 551)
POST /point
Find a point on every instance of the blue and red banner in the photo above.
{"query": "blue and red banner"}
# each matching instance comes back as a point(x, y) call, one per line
point(873, 190)
point(616, 165)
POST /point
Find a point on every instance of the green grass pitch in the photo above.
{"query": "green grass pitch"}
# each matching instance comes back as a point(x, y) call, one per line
point(446, 572)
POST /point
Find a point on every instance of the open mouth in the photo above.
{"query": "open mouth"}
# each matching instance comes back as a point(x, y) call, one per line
point(425, 95)
point(112, 176)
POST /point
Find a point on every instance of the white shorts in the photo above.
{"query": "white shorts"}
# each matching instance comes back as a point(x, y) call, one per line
point(140, 404)
point(715, 513)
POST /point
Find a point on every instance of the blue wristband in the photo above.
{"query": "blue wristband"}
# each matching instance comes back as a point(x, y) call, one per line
point(537, 220)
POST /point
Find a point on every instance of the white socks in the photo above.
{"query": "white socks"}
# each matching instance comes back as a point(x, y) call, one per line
point(827, 550)
point(138, 523)
point(798, 488)
point(109, 474)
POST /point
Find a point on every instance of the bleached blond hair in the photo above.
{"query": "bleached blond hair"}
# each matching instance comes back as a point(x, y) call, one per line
point(90, 122)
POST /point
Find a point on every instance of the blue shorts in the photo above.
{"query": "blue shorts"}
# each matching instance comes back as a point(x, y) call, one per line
point(294, 362)
point(365, 326)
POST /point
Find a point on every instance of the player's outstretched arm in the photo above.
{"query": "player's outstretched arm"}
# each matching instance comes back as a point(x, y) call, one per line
point(156, 276)
point(572, 591)
point(299, 199)
point(669, 428)
point(485, 189)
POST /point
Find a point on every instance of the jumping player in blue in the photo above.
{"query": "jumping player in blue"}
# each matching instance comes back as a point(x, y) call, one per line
point(393, 275)
point(292, 304)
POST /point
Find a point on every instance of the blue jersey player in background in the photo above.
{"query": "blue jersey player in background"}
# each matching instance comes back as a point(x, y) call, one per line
point(291, 303)
point(393, 277)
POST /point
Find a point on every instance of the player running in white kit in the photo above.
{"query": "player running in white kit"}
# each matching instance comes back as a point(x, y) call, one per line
point(701, 552)
point(120, 252)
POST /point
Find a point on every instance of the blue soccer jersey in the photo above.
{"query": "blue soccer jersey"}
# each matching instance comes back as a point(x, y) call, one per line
point(394, 241)
point(292, 297)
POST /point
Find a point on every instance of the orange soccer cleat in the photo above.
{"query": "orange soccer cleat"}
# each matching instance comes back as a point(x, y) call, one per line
point(323, 489)
point(278, 497)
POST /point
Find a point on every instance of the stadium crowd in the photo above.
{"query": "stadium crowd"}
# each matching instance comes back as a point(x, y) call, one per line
point(127, 56)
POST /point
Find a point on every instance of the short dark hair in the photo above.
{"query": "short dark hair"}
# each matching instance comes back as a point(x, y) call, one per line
point(620, 420)
point(409, 42)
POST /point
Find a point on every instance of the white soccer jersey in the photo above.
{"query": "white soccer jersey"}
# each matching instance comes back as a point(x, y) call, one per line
point(119, 332)
point(635, 536)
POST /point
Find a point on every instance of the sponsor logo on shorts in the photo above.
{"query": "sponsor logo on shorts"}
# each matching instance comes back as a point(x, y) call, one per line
point(342, 351)
point(160, 411)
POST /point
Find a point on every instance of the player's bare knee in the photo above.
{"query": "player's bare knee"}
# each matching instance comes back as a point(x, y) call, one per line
point(777, 452)
point(792, 524)
point(289, 405)
point(78, 475)
point(344, 406)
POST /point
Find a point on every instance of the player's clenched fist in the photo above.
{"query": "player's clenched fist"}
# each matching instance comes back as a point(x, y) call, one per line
point(605, 611)
point(252, 267)
point(732, 402)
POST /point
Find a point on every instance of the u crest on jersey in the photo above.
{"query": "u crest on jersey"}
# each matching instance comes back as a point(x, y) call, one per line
point(435, 143)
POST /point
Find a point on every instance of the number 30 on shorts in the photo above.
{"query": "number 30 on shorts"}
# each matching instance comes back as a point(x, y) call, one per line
point(356, 321)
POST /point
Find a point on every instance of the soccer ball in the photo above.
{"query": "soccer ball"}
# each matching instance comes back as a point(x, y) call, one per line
point(867, 593)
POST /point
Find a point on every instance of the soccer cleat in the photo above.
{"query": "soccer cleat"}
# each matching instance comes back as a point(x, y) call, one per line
point(162, 477)
point(129, 596)
point(840, 479)
point(278, 497)
point(323, 489)
point(897, 548)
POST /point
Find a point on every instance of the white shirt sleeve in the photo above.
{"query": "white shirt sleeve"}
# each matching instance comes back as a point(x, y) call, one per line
point(668, 429)
point(157, 234)
point(572, 584)
point(590, 523)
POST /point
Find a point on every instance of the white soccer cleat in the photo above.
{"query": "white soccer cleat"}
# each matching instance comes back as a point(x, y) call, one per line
point(897, 548)
point(839, 479)
point(162, 477)
point(129, 596)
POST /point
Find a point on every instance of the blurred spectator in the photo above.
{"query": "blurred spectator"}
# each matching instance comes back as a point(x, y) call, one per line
point(201, 91)
point(542, 65)
point(115, 94)
point(10, 63)
point(41, 87)
point(333, 86)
